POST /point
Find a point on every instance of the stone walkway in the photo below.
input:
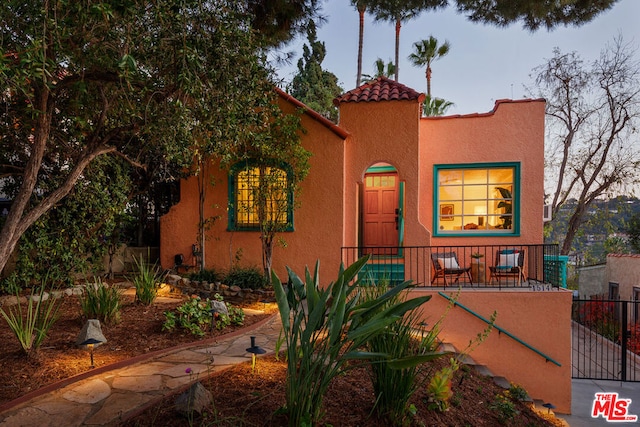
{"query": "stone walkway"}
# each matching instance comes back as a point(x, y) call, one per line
point(107, 395)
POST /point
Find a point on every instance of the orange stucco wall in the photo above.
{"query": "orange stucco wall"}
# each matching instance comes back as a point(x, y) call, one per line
point(541, 319)
point(318, 221)
point(512, 132)
point(384, 131)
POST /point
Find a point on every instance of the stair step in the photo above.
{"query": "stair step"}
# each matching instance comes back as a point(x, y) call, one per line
point(502, 382)
point(483, 370)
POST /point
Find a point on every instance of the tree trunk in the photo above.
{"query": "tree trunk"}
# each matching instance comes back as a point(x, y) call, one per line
point(572, 228)
point(428, 73)
point(360, 44)
point(398, 24)
point(202, 194)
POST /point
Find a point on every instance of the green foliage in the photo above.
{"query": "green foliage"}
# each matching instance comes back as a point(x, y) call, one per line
point(439, 387)
point(312, 85)
point(435, 106)
point(151, 86)
point(146, 280)
point(633, 231)
point(381, 70)
point(209, 275)
point(101, 302)
point(517, 393)
point(70, 238)
point(393, 386)
point(324, 327)
point(31, 327)
point(505, 408)
point(245, 278)
point(195, 316)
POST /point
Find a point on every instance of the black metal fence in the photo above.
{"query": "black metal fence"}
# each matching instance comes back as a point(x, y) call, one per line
point(605, 340)
point(496, 266)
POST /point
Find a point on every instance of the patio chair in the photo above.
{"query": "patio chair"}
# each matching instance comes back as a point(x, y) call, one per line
point(445, 264)
point(509, 264)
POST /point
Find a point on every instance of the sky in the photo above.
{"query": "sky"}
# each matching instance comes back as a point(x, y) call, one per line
point(484, 64)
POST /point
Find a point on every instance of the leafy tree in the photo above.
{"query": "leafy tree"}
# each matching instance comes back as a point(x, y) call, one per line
point(633, 231)
point(592, 113)
point(399, 11)
point(312, 85)
point(427, 51)
point(150, 84)
point(532, 13)
point(278, 21)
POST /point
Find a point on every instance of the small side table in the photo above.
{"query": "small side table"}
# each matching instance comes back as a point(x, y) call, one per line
point(478, 274)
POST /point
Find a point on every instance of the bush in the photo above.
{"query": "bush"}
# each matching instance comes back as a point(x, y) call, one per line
point(211, 276)
point(31, 329)
point(245, 278)
point(393, 387)
point(146, 281)
point(101, 302)
point(195, 316)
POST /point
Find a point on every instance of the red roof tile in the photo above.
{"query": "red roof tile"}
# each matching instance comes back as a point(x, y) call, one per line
point(313, 114)
point(380, 89)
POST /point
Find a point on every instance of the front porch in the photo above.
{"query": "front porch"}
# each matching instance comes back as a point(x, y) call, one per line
point(490, 266)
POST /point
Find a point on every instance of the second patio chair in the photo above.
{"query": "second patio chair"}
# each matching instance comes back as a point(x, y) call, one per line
point(509, 264)
point(445, 264)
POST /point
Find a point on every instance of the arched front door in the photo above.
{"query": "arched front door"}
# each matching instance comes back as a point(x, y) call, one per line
point(381, 213)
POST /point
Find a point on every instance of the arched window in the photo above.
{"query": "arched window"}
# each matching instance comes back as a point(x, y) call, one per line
point(260, 194)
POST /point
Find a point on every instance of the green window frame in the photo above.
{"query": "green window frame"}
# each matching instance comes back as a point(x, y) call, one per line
point(477, 199)
point(245, 180)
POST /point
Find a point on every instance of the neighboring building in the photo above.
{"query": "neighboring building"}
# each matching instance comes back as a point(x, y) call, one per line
point(386, 177)
point(592, 281)
point(622, 277)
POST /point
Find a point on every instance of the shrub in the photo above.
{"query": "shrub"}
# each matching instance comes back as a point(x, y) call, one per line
point(101, 302)
point(31, 329)
point(505, 408)
point(210, 275)
point(146, 281)
point(245, 278)
point(324, 328)
point(195, 316)
point(393, 387)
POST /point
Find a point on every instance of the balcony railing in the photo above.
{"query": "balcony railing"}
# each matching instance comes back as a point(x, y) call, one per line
point(494, 266)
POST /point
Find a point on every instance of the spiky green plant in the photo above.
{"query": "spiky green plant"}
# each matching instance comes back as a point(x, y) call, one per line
point(31, 327)
point(146, 280)
point(101, 302)
point(324, 328)
point(393, 385)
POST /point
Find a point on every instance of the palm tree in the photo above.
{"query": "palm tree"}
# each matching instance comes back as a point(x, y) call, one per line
point(399, 11)
point(435, 106)
point(427, 51)
point(381, 70)
point(361, 5)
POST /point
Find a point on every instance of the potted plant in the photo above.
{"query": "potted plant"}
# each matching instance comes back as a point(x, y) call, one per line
point(477, 268)
point(507, 205)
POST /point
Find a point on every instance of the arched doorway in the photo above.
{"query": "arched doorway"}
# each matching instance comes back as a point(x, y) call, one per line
point(381, 210)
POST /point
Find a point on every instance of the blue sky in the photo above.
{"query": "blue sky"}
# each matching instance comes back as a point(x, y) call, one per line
point(484, 64)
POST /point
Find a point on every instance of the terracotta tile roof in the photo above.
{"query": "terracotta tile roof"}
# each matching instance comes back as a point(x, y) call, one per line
point(313, 114)
point(380, 89)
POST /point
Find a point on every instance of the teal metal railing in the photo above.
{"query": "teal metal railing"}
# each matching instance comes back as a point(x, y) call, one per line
point(501, 330)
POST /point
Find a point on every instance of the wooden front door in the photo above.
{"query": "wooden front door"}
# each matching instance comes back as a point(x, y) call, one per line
point(380, 212)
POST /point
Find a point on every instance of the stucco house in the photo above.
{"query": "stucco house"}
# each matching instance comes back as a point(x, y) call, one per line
point(386, 180)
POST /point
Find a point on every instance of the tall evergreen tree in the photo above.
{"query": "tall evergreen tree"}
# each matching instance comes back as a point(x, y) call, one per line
point(312, 85)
